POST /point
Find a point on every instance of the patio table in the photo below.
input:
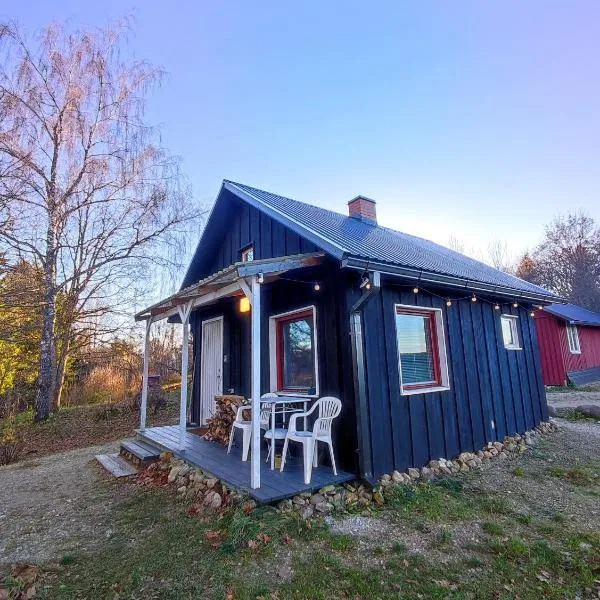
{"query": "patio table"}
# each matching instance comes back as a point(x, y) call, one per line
point(282, 401)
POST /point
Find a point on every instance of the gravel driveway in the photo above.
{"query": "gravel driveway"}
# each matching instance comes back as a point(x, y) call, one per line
point(572, 399)
point(57, 505)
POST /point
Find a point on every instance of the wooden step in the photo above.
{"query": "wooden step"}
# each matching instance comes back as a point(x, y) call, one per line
point(116, 465)
point(139, 452)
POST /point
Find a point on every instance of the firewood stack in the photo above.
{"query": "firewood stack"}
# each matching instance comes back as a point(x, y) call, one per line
point(219, 425)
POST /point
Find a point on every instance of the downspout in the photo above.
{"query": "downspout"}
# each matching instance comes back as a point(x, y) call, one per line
point(365, 462)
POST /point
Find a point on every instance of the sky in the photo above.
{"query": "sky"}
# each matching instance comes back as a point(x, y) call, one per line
point(478, 120)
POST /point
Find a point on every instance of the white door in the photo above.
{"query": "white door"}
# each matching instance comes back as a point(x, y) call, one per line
point(211, 366)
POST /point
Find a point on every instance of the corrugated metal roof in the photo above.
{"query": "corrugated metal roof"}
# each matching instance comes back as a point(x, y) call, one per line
point(574, 314)
point(347, 236)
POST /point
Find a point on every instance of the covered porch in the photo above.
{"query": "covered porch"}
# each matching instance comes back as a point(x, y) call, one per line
point(242, 281)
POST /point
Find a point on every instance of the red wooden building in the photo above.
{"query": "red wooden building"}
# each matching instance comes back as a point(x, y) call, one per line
point(569, 340)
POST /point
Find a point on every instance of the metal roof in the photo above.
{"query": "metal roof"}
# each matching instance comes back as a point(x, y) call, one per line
point(574, 314)
point(346, 237)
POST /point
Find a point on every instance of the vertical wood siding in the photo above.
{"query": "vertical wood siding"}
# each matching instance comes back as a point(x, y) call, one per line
point(494, 392)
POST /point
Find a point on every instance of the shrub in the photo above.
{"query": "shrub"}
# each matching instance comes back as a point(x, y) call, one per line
point(105, 384)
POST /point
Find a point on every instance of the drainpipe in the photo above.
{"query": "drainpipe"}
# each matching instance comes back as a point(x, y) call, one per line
point(365, 462)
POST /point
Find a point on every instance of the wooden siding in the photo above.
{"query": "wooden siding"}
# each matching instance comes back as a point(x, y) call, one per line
point(494, 392)
point(557, 359)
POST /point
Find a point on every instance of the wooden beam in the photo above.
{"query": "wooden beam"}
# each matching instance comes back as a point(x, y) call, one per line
point(144, 400)
point(256, 388)
point(184, 313)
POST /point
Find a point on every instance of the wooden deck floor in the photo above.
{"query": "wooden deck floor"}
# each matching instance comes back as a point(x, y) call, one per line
point(229, 468)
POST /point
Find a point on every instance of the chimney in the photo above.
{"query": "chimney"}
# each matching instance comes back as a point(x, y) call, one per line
point(363, 209)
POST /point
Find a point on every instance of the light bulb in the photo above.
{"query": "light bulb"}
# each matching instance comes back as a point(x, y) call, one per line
point(317, 287)
point(496, 306)
point(415, 290)
point(515, 305)
point(448, 302)
point(473, 299)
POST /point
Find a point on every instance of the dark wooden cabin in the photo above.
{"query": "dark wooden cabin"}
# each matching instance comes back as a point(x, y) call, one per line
point(431, 353)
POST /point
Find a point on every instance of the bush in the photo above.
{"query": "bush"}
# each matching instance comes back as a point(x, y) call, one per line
point(105, 384)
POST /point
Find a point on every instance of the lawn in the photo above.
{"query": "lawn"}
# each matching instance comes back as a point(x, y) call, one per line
point(528, 527)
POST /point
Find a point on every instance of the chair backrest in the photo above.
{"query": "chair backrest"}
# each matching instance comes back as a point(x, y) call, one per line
point(329, 409)
point(265, 410)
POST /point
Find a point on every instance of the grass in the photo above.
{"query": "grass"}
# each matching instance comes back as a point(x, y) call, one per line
point(574, 415)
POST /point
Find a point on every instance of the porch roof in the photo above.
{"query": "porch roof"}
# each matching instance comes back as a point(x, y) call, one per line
point(230, 281)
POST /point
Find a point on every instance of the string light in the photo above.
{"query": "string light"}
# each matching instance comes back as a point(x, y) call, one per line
point(415, 290)
point(448, 302)
point(496, 306)
point(532, 313)
point(515, 305)
point(317, 287)
point(473, 298)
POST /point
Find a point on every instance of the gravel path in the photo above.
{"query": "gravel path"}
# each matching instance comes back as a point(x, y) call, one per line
point(572, 399)
point(56, 505)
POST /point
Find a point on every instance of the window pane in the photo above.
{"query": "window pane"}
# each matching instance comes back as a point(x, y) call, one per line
point(507, 332)
point(298, 355)
point(414, 345)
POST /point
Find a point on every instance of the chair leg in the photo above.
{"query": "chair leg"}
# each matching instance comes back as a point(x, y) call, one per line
point(230, 440)
point(332, 457)
point(307, 450)
point(269, 452)
point(283, 454)
point(246, 444)
point(315, 454)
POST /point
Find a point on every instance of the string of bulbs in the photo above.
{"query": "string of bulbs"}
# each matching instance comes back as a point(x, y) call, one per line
point(366, 284)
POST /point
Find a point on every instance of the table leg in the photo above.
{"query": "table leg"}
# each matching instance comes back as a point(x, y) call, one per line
point(272, 436)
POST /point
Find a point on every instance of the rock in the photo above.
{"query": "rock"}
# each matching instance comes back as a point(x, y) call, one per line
point(590, 410)
point(306, 512)
point(213, 499)
point(480, 454)
point(350, 487)
point(317, 499)
point(285, 505)
point(210, 483)
point(426, 474)
point(494, 452)
point(386, 480)
point(328, 489)
point(488, 454)
point(181, 490)
point(378, 498)
point(414, 473)
point(173, 473)
point(323, 507)
point(434, 464)
point(298, 501)
point(530, 441)
point(397, 477)
point(352, 497)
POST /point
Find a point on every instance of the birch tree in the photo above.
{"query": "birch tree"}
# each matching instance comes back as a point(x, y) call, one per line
point(86, 192)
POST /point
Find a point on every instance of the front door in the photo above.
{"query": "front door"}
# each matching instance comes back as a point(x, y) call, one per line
point(211, 366)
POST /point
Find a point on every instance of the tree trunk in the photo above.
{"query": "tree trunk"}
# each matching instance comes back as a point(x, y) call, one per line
point(60, 370)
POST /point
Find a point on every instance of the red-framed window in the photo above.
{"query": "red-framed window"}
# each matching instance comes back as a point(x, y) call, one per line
point(418, 338)
point(295, 352)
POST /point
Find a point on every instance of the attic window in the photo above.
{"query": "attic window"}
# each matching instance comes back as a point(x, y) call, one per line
point(510, 332)
point(573, 337)
point(248, 253)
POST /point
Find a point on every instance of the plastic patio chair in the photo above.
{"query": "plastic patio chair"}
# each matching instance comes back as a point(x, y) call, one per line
point(329, 408)
point(246, 426)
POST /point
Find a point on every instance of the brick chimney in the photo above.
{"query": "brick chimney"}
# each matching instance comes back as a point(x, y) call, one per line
point(363, 209)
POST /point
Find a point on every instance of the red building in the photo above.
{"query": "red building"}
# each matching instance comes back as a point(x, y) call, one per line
point(569, 340)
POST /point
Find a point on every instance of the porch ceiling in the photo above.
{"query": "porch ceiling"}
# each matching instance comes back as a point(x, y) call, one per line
point(230, 281)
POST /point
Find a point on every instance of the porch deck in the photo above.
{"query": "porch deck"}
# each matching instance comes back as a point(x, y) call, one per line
point(229, 468)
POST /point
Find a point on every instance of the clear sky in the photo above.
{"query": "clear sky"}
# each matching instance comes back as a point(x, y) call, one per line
point(474, 119)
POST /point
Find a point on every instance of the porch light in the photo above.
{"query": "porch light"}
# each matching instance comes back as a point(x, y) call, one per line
point(415, 290)
point(244, 304)
point(317, 287)
point(515, 305)
point(474, 298)
point(448, 302)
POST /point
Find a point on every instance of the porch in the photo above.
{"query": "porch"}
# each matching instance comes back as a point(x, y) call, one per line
point(213, 459)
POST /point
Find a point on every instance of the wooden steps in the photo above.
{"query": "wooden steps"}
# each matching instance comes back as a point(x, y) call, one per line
point(116, 465)
point(139, 452)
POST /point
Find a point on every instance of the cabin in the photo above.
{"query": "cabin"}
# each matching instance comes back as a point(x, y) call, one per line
point(569, 339)
point(431, 353)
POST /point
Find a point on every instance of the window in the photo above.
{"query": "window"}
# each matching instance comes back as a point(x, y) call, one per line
point(294, 366)
point(248, 253)
point(421, 349)
point(573, 337)
point(510, 332)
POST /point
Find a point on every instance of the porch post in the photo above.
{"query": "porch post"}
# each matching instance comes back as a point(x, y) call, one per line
point(256, 351)
point(144, 402)
point(184, 313)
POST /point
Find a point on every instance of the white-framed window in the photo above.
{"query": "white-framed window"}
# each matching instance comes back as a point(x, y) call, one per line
point(510, 332)
point(248, 253)
point(422, 359)
point(573, 337)
point(294, 364)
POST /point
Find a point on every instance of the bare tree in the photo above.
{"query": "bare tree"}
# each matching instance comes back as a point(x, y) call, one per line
point(500, 257)
point(86, 193)
point(567, 261)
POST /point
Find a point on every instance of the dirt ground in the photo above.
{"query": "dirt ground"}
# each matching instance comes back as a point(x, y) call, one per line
point(56, 505)
point(572, 399)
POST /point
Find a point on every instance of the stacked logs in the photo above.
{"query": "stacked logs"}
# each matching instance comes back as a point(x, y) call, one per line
point(219, 425)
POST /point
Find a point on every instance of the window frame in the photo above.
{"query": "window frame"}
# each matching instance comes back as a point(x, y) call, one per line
point(245, 251)
point(276, 353)
point(441, 380)
point(573, 336)
point(514, 326)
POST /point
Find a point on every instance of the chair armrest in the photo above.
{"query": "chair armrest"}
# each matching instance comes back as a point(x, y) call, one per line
point(240, 410)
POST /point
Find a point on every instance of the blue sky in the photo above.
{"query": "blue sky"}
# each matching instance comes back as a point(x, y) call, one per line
point(474, 119)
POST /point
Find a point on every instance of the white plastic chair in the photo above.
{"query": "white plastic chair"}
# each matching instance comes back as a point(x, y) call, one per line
point(246, 426)
point(329, 408)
